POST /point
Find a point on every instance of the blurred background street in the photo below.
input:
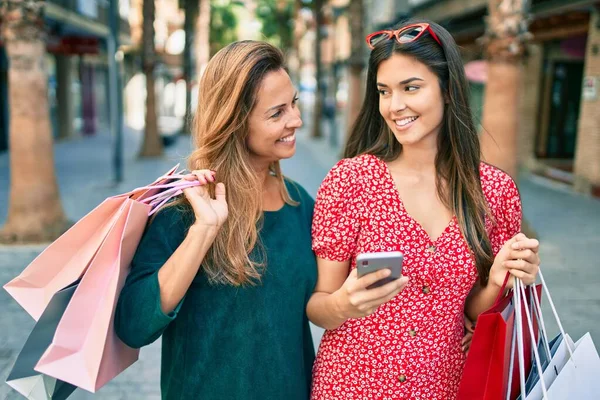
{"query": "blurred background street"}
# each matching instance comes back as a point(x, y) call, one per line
point(94, 132)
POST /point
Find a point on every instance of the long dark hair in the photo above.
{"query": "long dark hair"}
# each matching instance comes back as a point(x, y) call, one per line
point(458, 156)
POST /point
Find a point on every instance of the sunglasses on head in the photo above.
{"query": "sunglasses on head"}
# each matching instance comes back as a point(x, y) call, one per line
point(406, 34)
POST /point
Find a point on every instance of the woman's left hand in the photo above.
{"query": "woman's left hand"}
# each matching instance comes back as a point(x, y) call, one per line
point(519, 256)
point(469, 330)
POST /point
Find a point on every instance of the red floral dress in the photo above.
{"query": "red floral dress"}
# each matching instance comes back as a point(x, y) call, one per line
point(410, 348)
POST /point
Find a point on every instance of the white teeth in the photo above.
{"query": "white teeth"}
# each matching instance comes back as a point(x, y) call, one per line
point(405, 121)
point(290, 138)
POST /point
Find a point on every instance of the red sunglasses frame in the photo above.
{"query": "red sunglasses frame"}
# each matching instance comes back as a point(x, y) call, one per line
point(398, 32)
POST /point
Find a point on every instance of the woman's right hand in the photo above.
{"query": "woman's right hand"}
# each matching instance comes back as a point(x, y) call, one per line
point(208, 211)
point(354, 300)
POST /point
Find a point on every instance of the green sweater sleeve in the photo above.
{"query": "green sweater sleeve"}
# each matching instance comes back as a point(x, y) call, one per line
point(139, 319)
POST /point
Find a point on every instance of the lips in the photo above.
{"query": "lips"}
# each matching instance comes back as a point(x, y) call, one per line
point(287, 139)
point(404, 121)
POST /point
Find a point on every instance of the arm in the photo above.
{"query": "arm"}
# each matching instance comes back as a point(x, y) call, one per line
point(153, 292)
point(519, 257)
point(514, 253)
point(480, 299)
point(176, 276)
point(160, 277)
point(339, 296)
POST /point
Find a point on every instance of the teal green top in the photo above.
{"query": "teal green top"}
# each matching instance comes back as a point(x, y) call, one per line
point(224, 342)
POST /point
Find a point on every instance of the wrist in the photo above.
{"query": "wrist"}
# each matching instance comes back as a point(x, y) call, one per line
point(337, 308)
point(204, 231)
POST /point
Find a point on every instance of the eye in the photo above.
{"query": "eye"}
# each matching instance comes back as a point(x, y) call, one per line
point(382, 92)
point(295, 101)
point(277, 114)
point(411, 88)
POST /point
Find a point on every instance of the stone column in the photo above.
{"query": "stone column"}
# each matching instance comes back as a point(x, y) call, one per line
point(587, 152)
point(529, 106)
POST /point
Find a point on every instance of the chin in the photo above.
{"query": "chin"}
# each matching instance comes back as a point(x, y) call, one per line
point(282, 155)
point(408, 138)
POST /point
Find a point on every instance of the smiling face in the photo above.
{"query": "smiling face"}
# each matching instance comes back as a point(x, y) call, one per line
point(410, 100)
point(273, 120)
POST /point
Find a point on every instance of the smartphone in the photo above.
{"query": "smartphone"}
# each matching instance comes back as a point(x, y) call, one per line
point(367, 263)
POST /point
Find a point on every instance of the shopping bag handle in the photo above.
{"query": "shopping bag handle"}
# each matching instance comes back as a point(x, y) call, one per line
point(501, 293)
point(520, 294)
point(173, 187)
point(560, 325)
point(540, 318)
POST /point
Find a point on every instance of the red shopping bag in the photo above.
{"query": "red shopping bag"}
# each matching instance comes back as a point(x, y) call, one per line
point(487, 369)
point(85, 350)
point(66, 259)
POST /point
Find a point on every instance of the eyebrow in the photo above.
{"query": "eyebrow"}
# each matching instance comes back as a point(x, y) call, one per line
point(404, 82)
point(279, 105)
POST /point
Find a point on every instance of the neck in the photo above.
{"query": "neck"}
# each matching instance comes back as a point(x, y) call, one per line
point(418, 157)
point(263, 173)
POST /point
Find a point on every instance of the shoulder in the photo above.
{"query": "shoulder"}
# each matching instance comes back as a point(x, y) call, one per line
point(357, 165)
point(353, 171)
point(497, 184)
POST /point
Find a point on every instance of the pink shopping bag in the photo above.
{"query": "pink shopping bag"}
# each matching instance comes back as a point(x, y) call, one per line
point(85, 350)
point(66, 259)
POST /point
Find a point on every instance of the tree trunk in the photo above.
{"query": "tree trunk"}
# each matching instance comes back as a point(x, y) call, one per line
point(319, 90)
point(500, 114)
point(188, 27)
point(357, 61)
point(152, 146)
point(505, 43)
point(202, 41)
point(293, 60)
point(35, 213)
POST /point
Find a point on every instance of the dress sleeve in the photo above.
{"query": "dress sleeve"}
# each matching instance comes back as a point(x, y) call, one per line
point(336, 224)
point(139, 319)
point(508, 215)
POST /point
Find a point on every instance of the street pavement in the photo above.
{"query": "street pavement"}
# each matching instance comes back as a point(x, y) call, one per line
point(568, 226)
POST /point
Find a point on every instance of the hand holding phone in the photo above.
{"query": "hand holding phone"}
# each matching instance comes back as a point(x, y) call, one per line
point(367, 263)
point(376, 280)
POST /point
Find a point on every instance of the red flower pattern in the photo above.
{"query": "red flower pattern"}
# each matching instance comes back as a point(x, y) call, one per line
point(410, 348)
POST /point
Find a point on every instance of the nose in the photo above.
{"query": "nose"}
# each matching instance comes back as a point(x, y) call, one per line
point(397, 104)
point(295, 120)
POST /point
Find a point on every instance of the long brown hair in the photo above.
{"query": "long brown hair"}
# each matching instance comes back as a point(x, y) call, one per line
point(458, 156)
point(227, 95)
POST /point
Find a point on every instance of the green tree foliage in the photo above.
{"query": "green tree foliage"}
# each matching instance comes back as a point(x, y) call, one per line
point(277, 18)
point(223, 24)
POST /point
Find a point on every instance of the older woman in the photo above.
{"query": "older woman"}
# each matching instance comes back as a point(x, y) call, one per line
point(224, 277)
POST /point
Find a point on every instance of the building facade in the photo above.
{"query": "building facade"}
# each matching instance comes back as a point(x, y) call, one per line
point(77, 33)
point(559, 133)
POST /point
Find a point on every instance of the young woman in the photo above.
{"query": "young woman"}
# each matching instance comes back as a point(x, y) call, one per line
point(412, 181)
point(225, 277)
